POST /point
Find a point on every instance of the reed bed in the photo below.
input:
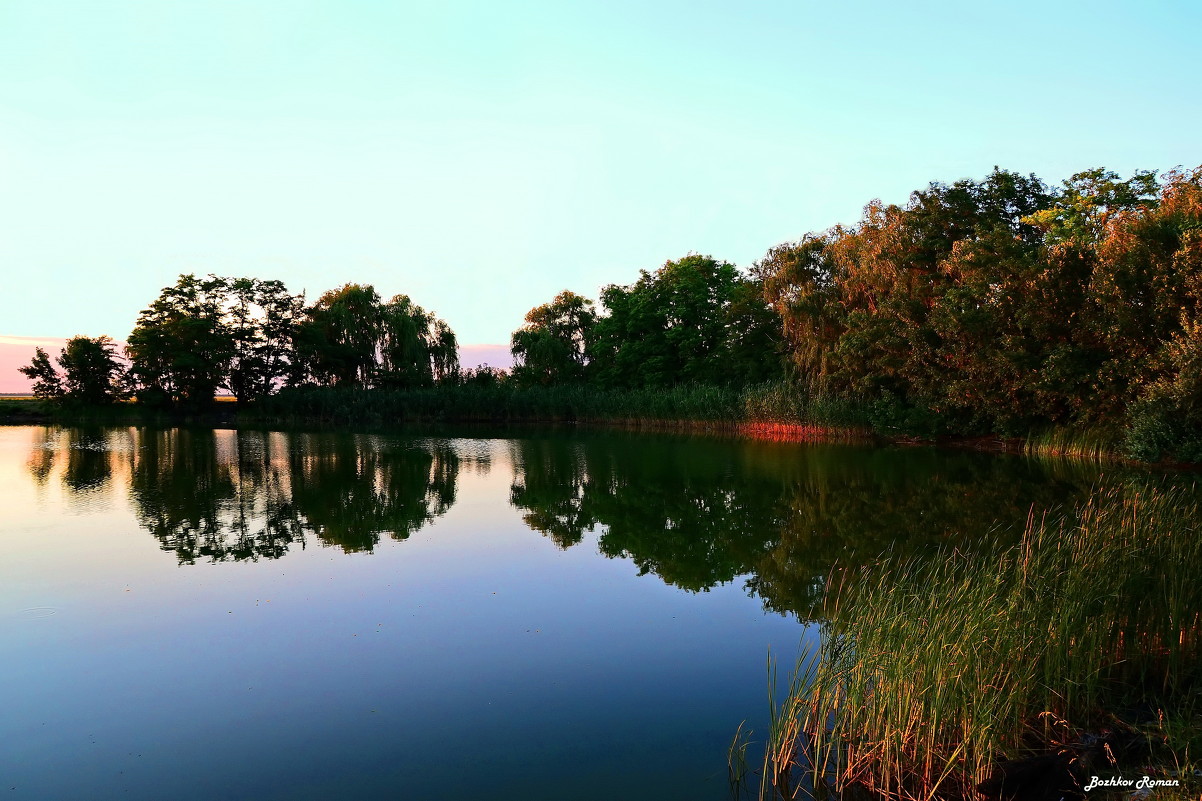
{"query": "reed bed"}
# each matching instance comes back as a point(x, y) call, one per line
point(1036, 662)
point(774, 411)
point(1097, 445)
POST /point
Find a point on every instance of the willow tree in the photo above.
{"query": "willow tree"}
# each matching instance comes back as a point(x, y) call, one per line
point(551, 347)
point(417, 349)
point(351, 338)
point(339, 338)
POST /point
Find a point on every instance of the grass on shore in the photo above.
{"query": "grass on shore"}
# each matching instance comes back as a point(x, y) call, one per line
point(1088, 444)
point(1080, 644)
point(719, 406)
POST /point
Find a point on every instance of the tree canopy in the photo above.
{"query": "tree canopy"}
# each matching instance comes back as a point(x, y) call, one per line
point(551, 347)
point(92, 374)
point(694, 320)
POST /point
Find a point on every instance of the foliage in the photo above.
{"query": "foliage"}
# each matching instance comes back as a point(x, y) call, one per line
point(182, 346)
point(260, 317)
point(931, 672)
point(252, 337)
point(994, 307)
point(550, 347)
point(47, 383)
point(1003, 306)
point(351, 338)
point(92, 375)
point(695, 320)
point(339, 339)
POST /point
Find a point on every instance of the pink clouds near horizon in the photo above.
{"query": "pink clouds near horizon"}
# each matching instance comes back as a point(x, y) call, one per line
point(479, 355)
point(17, 352)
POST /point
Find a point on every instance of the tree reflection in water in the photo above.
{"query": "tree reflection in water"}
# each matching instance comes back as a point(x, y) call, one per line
point(223, 495)
point(696, 512)
point(701, 512)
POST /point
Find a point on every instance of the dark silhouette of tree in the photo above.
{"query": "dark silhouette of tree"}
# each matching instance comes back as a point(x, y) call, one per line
point(340, 336)
point(350, 338)
point(92, 375)
point(181, 348)
point(260, 317)
point(47, 383)
point(417, 348)
point(550, 347)
point(202, 335)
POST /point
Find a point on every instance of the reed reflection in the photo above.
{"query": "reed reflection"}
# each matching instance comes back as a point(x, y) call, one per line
point(698, 513)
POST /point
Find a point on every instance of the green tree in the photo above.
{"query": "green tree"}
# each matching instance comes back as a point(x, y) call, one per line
point(681, 324)
point(550, 347)
point(1089, 201)
point(417, 348)
point(182, 346)
point(941, 307)
point(340, 336)
point(261, 317)
point(350, 338)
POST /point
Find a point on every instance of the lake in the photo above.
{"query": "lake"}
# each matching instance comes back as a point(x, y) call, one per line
point(221, 614)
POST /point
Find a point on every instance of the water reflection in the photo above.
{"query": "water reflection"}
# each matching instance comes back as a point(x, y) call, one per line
point(222, 495)
point(87, 456)
point(694, 512)
point(215, 495)
point(701, 512)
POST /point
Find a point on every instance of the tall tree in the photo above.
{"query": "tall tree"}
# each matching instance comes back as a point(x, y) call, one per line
point(93, 373)
point(340, 336)
point(350, 338)
point(417, 348)
point(681, 324)
point(551, 347)
point(261, 317)
point(181, 348)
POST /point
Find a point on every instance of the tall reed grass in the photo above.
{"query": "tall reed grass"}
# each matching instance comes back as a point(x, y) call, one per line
point(777, 411)
point(1092, 444)
point(930, 673)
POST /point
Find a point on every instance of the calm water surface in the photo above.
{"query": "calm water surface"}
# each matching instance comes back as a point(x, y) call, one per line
point(198, 614)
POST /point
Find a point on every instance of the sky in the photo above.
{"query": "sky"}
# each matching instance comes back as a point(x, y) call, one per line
point(483, 157)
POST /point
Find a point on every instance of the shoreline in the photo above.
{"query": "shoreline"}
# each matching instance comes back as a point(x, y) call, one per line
point(1055, 444)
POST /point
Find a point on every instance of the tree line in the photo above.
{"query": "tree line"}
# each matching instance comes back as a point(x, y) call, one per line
point(251, 338)
point(994, 306)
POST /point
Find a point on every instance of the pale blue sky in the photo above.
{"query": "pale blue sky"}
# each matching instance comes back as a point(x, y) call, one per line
point(481, 157)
